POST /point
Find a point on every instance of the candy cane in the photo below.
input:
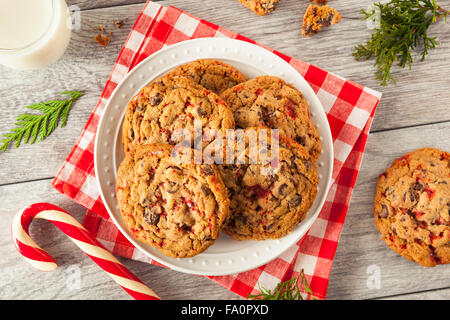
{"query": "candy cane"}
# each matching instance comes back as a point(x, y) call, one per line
point(82, 238)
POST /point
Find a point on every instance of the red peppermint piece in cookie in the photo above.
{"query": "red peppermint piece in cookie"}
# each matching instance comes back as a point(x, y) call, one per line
point(418, 214)
point(431, 193)
point(259, 191)
point(404, 160)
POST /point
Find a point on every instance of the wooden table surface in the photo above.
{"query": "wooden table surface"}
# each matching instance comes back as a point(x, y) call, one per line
point(413, 113)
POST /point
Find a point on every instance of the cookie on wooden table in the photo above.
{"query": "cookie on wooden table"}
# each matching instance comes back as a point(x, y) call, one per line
point(177, 207)
point(271, 186)
point(168, 105)
point(320, 2)
point(317, 17)
point(260, 7)
point(412, 205)
point(268, 101)
point(214, 75)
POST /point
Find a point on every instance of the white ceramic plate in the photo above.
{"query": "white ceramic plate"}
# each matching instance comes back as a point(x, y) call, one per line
point(225, 256)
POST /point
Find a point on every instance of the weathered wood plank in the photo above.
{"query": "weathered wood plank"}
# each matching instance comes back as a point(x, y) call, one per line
point(406, 104)
point(360, 246)
point(89, 4)
point(86, 66)
point(443, 294)
point(361, 250)
point(19, 280)
point(402, 105)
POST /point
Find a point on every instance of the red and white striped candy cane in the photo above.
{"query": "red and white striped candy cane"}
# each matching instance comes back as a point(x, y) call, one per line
point(82, 238)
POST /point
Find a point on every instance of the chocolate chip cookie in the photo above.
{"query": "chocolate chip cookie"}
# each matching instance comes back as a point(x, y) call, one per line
point(214, 75)
point(169, 202)
point(272, 183)
point(412, 205)
point(167, 109)
point(260, 7)
point(269, 101)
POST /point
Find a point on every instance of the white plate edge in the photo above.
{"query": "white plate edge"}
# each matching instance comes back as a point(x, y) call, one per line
point(309, 95)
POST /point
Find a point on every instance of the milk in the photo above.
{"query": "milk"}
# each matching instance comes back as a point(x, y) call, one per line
point(19, 22)
point(33, 33)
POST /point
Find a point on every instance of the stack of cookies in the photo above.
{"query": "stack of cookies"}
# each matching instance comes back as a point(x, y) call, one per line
point(251, 170)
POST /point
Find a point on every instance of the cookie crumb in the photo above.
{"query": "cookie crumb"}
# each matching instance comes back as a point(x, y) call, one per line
point(319, 2)
point(260, 7)
point(102, 40)
point(119, 24)
point(101, 28)
point(316, 18)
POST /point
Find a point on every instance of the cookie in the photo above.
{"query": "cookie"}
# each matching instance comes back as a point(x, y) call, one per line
point(260, 7)
point(214, 75)
point(271, 185)
point(169, 106)
point(317, 17)
point(268, 101)
point(320, 2)
point(412, 205)
point(175, 206)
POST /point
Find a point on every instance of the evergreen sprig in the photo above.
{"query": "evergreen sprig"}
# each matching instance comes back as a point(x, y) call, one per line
point(32, 128)
point(288, 290)
point(403, 28)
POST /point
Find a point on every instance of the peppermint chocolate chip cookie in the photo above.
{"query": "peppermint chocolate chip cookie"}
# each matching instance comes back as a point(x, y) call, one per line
point(412, 205)
point(260, 7)
point(269, 101)
point(170, 203)
point(168, 107)
point(214, 75)
point(272, 183)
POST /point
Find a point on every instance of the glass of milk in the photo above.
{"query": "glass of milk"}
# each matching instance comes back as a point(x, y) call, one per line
point(33, 33)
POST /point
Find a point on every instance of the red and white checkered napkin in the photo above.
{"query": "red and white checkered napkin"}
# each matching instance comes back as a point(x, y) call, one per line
point(349, 106)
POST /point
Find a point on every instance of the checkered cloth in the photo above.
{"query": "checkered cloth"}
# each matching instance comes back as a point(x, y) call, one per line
point(349, 107)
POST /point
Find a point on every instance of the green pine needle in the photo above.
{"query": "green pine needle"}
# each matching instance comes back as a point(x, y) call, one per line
point(289, 290)
point(403, 28)
point(31, 128)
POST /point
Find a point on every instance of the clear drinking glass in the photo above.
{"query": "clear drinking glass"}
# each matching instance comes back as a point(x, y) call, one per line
point(33, 33)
